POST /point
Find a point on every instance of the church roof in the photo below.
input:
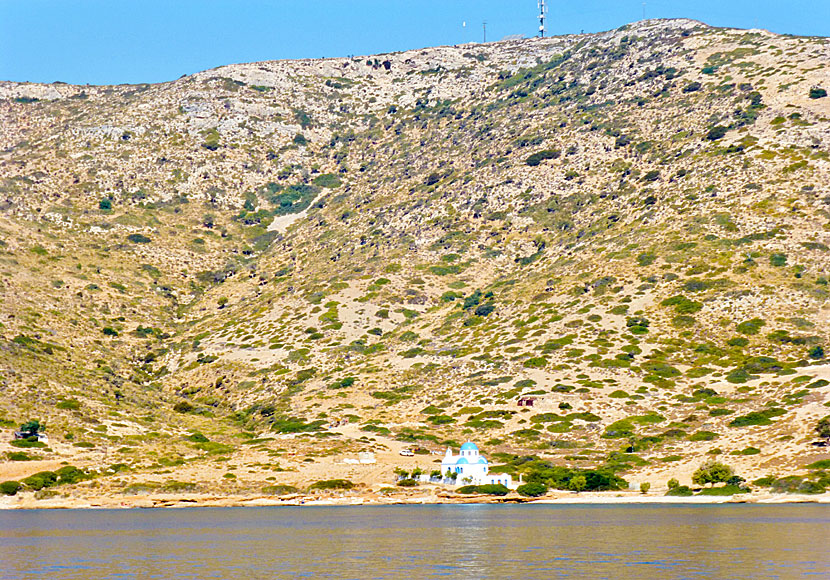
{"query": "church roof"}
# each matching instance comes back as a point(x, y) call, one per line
point(482, 460)
point(462, 461)
point(469, 446)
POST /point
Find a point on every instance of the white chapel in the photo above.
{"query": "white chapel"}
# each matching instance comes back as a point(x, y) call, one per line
point(472, 468)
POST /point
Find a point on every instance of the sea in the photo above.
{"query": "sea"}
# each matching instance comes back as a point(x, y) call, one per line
point(539, 541)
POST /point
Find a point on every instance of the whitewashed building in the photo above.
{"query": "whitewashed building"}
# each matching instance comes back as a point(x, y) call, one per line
point(472, 468)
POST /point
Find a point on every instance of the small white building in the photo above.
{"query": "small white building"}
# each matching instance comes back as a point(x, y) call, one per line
point(472, 468)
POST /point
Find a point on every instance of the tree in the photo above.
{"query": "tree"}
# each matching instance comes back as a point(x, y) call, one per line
point(712, 472)
point(645, 486)
point(673, 483)
point(577, 483)
point(823, 428)
point(31, 428)
point(105, 204)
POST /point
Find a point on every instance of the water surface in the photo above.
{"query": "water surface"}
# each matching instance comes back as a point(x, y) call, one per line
point(439, 541)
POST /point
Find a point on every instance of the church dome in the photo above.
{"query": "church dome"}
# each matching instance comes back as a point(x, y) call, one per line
point(462, 461)
point(469, 446)
point(482, 461)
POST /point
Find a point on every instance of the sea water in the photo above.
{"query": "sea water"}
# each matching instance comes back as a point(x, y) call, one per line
point(426, 541)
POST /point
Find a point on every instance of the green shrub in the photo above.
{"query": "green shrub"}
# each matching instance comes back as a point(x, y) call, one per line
point(537, 158)
point(717, 132)
point(817, 93)
point(703, 436)
point(105, 204)
point(138, 239)
point(724, 490)
point(751, 327)
point(332, 484)
point(407, 483)
point(757, 417)
point(41, 480)
point(680, 491)
point(281, 489)
point(683, 305)
point(69, 405)
point(487, 489)
point(532, 489)
point(28, 443)
point(778, 260)
point(328, 180)
point(10, 487)
point(19, 456)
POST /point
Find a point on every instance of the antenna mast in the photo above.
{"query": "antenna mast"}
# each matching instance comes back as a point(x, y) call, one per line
point(543, 11)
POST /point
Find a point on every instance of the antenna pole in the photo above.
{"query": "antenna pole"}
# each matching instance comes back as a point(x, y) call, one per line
point(543, 10)
point(644, 10)
point(485, 31)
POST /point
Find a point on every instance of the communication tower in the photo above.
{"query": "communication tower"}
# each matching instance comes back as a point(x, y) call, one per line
point(543, 12)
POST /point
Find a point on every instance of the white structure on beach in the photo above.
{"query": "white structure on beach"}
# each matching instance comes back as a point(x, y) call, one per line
point(472, 468)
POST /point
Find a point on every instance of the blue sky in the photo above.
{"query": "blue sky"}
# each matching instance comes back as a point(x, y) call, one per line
point(129, 41)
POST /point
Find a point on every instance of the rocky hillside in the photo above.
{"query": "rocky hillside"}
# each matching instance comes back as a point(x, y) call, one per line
point(262, 269)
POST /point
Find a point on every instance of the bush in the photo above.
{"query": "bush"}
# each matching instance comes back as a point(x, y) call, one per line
point(332, 484)
point(757, 417)
point(139, 239)
point(407, 483)
point(540, 156)
point(105, 204)
point(534, 489)
point(487, 489)
point(10, 487)
point(751, 327)
point(19, 456)
point(28, 443)
point(717, 132)
point(328, 180)
point(183, 407)
point(69, 405)
point(41, 480)
point(725, 490)
point(778, 260)
point(279, 489)
point(818, 93)
point(680, 491)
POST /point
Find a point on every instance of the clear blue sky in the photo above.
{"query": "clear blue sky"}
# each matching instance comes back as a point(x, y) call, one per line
point(130, 41)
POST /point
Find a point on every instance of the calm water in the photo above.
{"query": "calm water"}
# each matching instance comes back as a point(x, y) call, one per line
point(462, 541)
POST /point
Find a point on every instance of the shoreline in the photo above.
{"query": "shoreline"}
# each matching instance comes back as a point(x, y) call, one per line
point(163, 501)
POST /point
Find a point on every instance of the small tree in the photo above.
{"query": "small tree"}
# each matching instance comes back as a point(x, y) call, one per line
point(31, 428)
point(105, 204)
point(577, 483)
point(673, 483)
point(645, 486)
point(712, 472)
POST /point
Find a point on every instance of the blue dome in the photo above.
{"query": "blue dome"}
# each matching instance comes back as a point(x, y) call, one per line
point(469, 446)
point(481, 460)
point(462, 461)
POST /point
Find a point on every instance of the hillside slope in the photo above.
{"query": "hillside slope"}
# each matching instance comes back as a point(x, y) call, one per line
point(261, 269)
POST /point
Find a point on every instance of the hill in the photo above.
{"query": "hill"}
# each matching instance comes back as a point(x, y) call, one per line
point(241, 277)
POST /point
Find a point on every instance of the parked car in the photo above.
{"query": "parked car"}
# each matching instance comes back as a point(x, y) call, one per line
point(406, 453)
